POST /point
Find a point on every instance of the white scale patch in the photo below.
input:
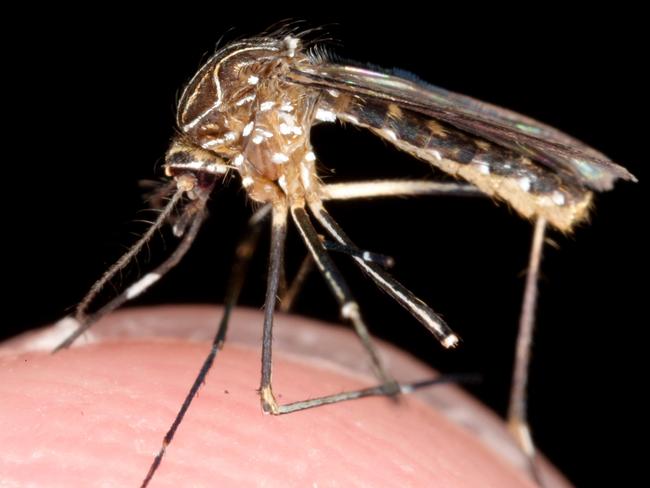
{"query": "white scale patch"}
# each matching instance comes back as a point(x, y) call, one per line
point(450, 341)
point(216, 168)
point(198, 165)
point(257, 139)
point(252, 80)
point(238, 160)
point(264, 106)
point(483, 167)
point(212, 142)
point(305, 175)
point(292, 44)
point(390, 134)
point(558, 198)
point(245, 100)
point(310, 156)
point(286, 107)
point(202, 166)
point(248, 128)
point(282, 181)
point(247, 181)
point(141, 285)
point(349, 309)
point(325, 115)
point(279, 158)
point(351, 118)
point(287, 129)
point(524, 183)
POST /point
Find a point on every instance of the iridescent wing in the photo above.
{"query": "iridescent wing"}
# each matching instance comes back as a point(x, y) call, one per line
point(576, 163)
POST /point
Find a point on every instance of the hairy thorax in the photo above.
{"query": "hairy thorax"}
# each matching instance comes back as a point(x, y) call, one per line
point(239, 109)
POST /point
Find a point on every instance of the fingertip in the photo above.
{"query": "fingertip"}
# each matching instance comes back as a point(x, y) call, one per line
point(97, 414)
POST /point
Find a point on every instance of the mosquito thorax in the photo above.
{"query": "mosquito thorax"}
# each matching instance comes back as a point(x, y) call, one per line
point(240, 109)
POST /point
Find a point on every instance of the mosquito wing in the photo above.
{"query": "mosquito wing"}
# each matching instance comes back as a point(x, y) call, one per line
point(573, 160)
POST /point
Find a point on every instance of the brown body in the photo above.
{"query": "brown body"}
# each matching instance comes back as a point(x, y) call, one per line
point(241, 109)
point(251, 107)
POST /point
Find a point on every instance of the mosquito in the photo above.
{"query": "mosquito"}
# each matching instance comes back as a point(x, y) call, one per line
point(249, 110)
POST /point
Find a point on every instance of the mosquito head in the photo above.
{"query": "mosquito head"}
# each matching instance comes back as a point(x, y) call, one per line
point(192, 167)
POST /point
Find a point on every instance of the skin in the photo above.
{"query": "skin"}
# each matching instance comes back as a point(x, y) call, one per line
point(94, 415)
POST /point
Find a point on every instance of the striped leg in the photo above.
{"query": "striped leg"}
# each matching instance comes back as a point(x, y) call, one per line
point(340, 289)
point(349, 309)
point(83, 321)
point(390, 285)
point(374, 189)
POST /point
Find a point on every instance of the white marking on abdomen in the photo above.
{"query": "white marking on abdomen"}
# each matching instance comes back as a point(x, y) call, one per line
point(483, 167)
point(558, 198)
point(524, 183)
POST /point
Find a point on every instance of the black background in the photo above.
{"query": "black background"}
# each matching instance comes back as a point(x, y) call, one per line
point(90, 107)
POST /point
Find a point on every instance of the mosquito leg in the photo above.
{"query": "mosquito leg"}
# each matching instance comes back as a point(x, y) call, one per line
point(368, 256)
point(244, 252)
point(396, 188)
point(289, 297)
point(384, 389)
point(390, 285)
point(81, 319)
point(517, 417)
point(276, 258)
point(340, 289)
point(141, 285)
